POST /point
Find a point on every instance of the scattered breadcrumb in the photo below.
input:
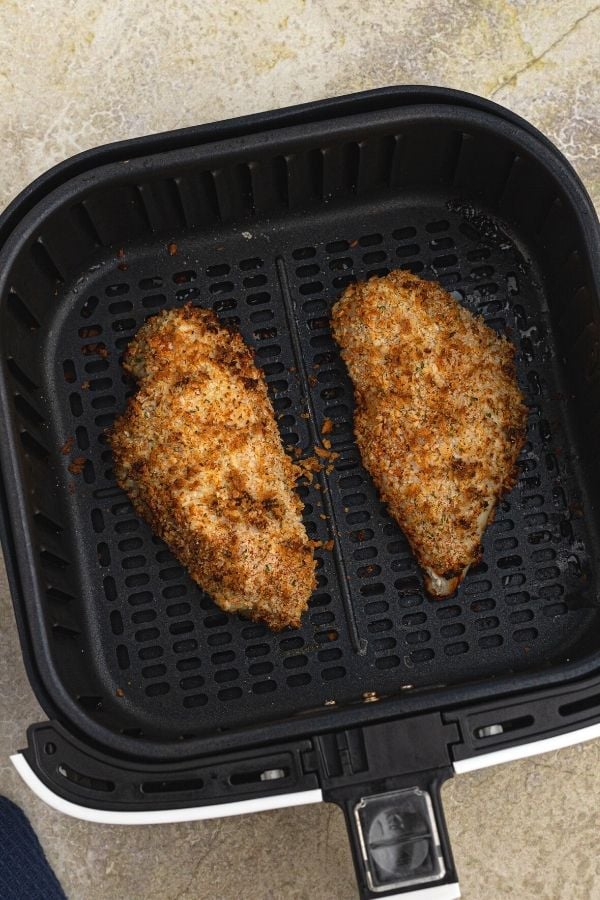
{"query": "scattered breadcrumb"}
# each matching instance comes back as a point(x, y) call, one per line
point(326, 454)
point(67, 446)
point(95, 349)
point(327, 426)
point(172, 249)
point(308, 466)
point(325, 545)
point(77, 465)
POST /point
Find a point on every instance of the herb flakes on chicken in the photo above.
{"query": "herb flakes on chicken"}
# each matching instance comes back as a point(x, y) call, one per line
point(439, 417)
point(199, 454)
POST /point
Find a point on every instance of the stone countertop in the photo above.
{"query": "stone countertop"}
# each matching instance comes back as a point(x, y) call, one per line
point(75, 75)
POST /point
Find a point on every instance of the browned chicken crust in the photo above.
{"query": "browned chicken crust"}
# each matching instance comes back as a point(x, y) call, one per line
point(439, 419)
point(199, 454)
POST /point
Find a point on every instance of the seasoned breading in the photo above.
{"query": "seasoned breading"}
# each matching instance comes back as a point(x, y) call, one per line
point(439, 418)
point(199, 454)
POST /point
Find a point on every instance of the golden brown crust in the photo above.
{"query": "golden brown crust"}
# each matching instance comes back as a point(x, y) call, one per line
point(439, 418)
point(199, 454)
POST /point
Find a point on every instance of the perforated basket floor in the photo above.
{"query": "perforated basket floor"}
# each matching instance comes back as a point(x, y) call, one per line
point(155, 656)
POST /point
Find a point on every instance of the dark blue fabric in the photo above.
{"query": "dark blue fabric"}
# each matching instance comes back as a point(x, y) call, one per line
point(24, 870)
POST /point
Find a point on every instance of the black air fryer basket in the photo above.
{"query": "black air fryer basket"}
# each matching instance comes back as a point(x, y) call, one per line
point(161, 707)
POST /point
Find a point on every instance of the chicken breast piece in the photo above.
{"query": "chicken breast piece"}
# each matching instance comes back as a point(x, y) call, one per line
point(199, 454)
point(439, 418)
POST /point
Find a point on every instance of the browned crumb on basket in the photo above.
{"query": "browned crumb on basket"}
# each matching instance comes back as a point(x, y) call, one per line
point(85, 385)
point(322, 461)
point(120, 692)
point(200, 456)
point(67, 446)
point(308, 466)
point(98, 349)
point(324, 545)
point(89, 332)
point(77, 465)
point(172, 248)
point(327, 426)
point(324, 453)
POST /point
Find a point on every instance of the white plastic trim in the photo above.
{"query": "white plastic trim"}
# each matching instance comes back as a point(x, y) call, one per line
point(164, 816)
point(438, 892)
point(158, 816)
point(508, 754)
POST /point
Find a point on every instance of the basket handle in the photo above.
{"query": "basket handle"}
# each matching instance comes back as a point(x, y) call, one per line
point(399, 841)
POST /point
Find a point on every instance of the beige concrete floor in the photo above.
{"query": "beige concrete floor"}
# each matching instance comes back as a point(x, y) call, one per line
point(77, 74)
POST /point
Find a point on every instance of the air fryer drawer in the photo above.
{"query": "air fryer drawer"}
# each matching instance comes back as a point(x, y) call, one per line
point(267, 230)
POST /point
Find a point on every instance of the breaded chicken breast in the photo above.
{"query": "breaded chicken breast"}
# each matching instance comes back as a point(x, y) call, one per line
point(439, 418)
point(199, 454)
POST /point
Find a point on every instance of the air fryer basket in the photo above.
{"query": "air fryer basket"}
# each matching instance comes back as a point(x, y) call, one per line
point(267, 229)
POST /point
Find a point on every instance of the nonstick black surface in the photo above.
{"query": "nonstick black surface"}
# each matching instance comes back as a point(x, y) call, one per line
point(142, 649)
